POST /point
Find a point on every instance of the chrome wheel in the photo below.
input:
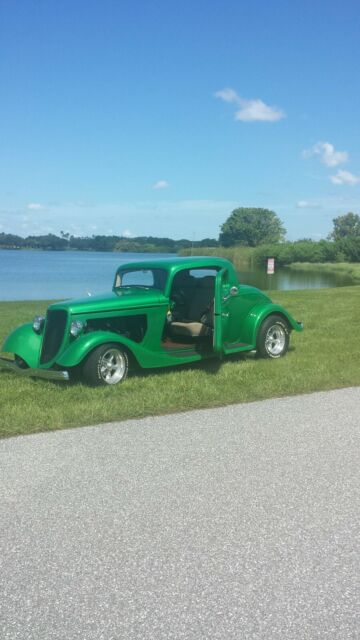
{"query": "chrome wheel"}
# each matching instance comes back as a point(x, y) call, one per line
point(107, 364)
point(273, 337)
point(275, 340)
point(112, 366)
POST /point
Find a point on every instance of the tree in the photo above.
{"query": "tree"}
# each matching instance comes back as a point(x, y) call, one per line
point(48, 242)
point(11, 241)
point(347, 226)
point(250, 227)
point(350, 248)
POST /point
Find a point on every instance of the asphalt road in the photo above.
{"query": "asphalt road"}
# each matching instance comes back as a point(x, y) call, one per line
point(234, 523)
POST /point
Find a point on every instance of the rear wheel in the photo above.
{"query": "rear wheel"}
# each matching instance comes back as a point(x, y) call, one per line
point(108, 364)
point(273, 337)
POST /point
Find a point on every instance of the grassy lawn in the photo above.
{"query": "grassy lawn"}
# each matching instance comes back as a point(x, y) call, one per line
point(324, 356)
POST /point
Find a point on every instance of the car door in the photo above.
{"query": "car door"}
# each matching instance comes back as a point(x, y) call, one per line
point(230, 309)
point(220, 313)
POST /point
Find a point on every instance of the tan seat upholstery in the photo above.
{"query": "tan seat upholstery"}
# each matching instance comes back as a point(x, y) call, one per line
point(200, 303)
point(190, 329)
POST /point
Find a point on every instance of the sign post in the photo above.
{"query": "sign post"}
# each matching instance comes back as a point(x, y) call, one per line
point(270, 269)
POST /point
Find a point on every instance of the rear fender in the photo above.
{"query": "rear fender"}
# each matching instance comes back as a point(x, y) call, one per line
point(25, 343)
point(258, 315)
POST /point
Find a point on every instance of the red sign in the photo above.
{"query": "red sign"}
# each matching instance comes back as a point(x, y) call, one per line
point(270, 266)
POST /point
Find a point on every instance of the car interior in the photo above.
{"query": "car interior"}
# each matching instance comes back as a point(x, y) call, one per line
point(192, 312)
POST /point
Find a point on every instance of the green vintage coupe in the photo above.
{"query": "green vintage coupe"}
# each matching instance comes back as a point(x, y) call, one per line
point(159, 313)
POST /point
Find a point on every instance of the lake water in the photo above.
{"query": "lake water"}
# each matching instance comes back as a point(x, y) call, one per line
point(50, 275)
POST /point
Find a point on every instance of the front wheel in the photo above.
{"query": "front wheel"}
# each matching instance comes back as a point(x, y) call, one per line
point(20, 362)
point(273, 337)
point(108, 364)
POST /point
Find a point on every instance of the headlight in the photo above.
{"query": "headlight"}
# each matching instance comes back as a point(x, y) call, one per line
point(38, 323)
point(76, 328)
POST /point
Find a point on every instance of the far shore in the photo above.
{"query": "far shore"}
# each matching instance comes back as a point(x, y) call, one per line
point(351, 269)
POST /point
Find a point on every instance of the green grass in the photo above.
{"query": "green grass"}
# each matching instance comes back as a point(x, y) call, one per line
point(351, 269)
point(324, 356)
point(239, 256)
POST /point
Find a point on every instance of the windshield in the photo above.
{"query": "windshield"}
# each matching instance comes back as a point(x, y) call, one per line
point(144, 278)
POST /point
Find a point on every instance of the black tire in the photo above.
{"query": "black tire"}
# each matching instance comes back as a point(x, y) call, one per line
point(20, 362)
point(273, 337)
point(108, 364)
point(75, 373)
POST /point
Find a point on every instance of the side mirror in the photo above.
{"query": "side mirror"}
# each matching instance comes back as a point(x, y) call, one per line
point(233, 291)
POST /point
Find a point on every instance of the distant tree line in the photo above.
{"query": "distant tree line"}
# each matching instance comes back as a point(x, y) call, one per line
point(263, 230)
point(342, 250)
point(144, 244)
point(260, 229)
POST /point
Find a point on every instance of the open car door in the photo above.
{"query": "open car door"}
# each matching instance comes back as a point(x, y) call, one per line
point(220, 316)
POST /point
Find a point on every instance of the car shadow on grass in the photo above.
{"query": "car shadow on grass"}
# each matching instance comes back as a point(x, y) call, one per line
point(211, 366)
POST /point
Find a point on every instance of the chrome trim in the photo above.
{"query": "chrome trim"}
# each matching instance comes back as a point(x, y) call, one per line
point(48, 374)
point(38, 324)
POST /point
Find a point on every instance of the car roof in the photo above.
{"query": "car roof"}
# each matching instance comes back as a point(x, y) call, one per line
point(177, 263)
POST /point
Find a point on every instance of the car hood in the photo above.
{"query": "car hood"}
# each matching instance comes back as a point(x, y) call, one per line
point(124, 298)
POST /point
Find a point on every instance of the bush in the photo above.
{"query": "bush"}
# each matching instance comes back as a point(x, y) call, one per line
point(350, 247)
point(309, 251)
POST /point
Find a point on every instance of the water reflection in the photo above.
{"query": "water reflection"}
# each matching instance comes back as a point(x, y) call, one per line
point(285, 279)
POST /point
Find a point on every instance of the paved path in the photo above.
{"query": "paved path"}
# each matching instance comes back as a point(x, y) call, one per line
point(233, 523)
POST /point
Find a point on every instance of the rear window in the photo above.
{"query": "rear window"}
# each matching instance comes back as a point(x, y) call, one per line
point(203, 273)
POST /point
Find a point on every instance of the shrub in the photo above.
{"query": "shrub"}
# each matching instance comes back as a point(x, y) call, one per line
point(350, 248)
point(285, 253)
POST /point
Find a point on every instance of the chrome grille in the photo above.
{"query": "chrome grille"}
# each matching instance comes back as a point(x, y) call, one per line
point(53, 335)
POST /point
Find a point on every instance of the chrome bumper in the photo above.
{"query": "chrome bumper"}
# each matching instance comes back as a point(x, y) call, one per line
point(48, 374)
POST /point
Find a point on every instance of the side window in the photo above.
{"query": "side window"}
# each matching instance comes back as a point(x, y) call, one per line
point(144, 277)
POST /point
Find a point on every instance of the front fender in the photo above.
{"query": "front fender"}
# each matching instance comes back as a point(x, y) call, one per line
point(25, 343)
point(258, 315)
point(85, 343)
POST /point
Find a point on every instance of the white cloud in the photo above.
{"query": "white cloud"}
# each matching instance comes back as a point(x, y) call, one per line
point(257, 110)
point(164, 218)
point(250, 110)
point(307, 204)
point(161, 184)
point(127, 233)
point(35, 206)
point(328, 154)
point(229, 95)
point(345, 177)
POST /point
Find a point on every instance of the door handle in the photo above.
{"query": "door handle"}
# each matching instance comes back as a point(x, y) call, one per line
point(224, 314)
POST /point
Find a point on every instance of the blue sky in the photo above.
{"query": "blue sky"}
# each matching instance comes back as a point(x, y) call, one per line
point(159, 118)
